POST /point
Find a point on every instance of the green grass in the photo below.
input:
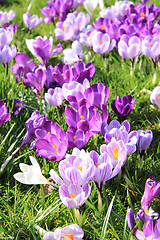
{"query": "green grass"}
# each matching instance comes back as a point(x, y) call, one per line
point(23, 207)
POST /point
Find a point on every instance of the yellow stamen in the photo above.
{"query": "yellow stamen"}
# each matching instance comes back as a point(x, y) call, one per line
point(116, 151)
point(72, 195)
point(80, 168)
point(6, 28)
point(142, 14)
point(62, 74)
point(49, 11)
point(103, 27)
point(31, 18)
point(54, 146)
point(97, 164)
point(63, 28)
point(48, 133)
point(116, 33)
point(74, 138)
point(147, 210)
point(82, 117)
point(68, 235)
point(151, 45)
point(100, 42)
point(18, 104)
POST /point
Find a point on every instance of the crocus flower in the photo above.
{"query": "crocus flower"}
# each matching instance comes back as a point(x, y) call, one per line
point(6, 36)
point(77, 138)
point(123, 106)
point(90, 5)
point(130, 219)
point(72, 231)
point(49, 13)
point(150, 232)
point(23, 66)
point(41, 48)
point(31, 174)
point(74, 170)
point(104, 169)
point(129, 47)
point(73, 196)
point(31, 21)
point(102, 43)
point(62, 74)
point(17, 105)
point(147, 213)
point(4, 116)
point(116, 150)
point(151, 47)
point(74, 54)
point(155, 96)
point(54, 96)
point(144, 140)
point(7, 54)
point(152, 190)
point(6, 17)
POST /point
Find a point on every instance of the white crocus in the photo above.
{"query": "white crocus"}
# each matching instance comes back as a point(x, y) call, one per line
point(91, 5)
point(31, 174)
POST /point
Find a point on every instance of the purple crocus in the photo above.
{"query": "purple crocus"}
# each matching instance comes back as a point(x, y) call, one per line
point(6, 17)
point(6, 36)
point(72, 231)
point(149, 231)
point(130, 219)
point(73, 196)
point(31, 21)
point(77, 138)
point(41, 48)
point(147, 213)
point(123, 106)
point(17, 105)
point(62, 74)
point(23, 66)
point(152, 190)
point(4, 116)
point(104, 170)
point(144, 140)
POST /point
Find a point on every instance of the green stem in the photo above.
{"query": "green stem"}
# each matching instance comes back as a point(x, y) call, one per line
point(78, 216)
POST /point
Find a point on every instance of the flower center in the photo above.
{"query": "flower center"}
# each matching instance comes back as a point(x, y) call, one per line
point(62, 74)
point(31, 18)
point(100, 42)
point(54, 146)
point(151, 45)
point(72, 195)
point(97, 164)
point(103, 27)
point(82, 117)
point(142, 14)
point(115, 152)
point(68, 235)
point(63, 28)
point(158, 97)
point(48, 133)
point(80, 168)
point(49, 11)
point(18, 104)
point(116, 33)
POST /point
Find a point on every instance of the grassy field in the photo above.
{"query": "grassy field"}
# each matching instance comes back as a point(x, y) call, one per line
point(23, 207)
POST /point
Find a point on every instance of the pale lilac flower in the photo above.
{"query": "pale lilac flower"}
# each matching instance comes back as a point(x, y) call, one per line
point(6, 17)
point(74, 169)
point(72, 231)
point(4, 116)
point(155, 96)
point(74, 54)
point(6, 36)
point(31, 21)
point(54, 96)
point(73, 196)
point(86, 36)
point(7, 54)
point(41, 48)
point(151, 47)
point(77, 3)
point(31, 174)
point(144, 140)
point(104, 170)
point(102, 43)
point(129, 47)
point(116, 150)
point(122, 6)
point(109, 13)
